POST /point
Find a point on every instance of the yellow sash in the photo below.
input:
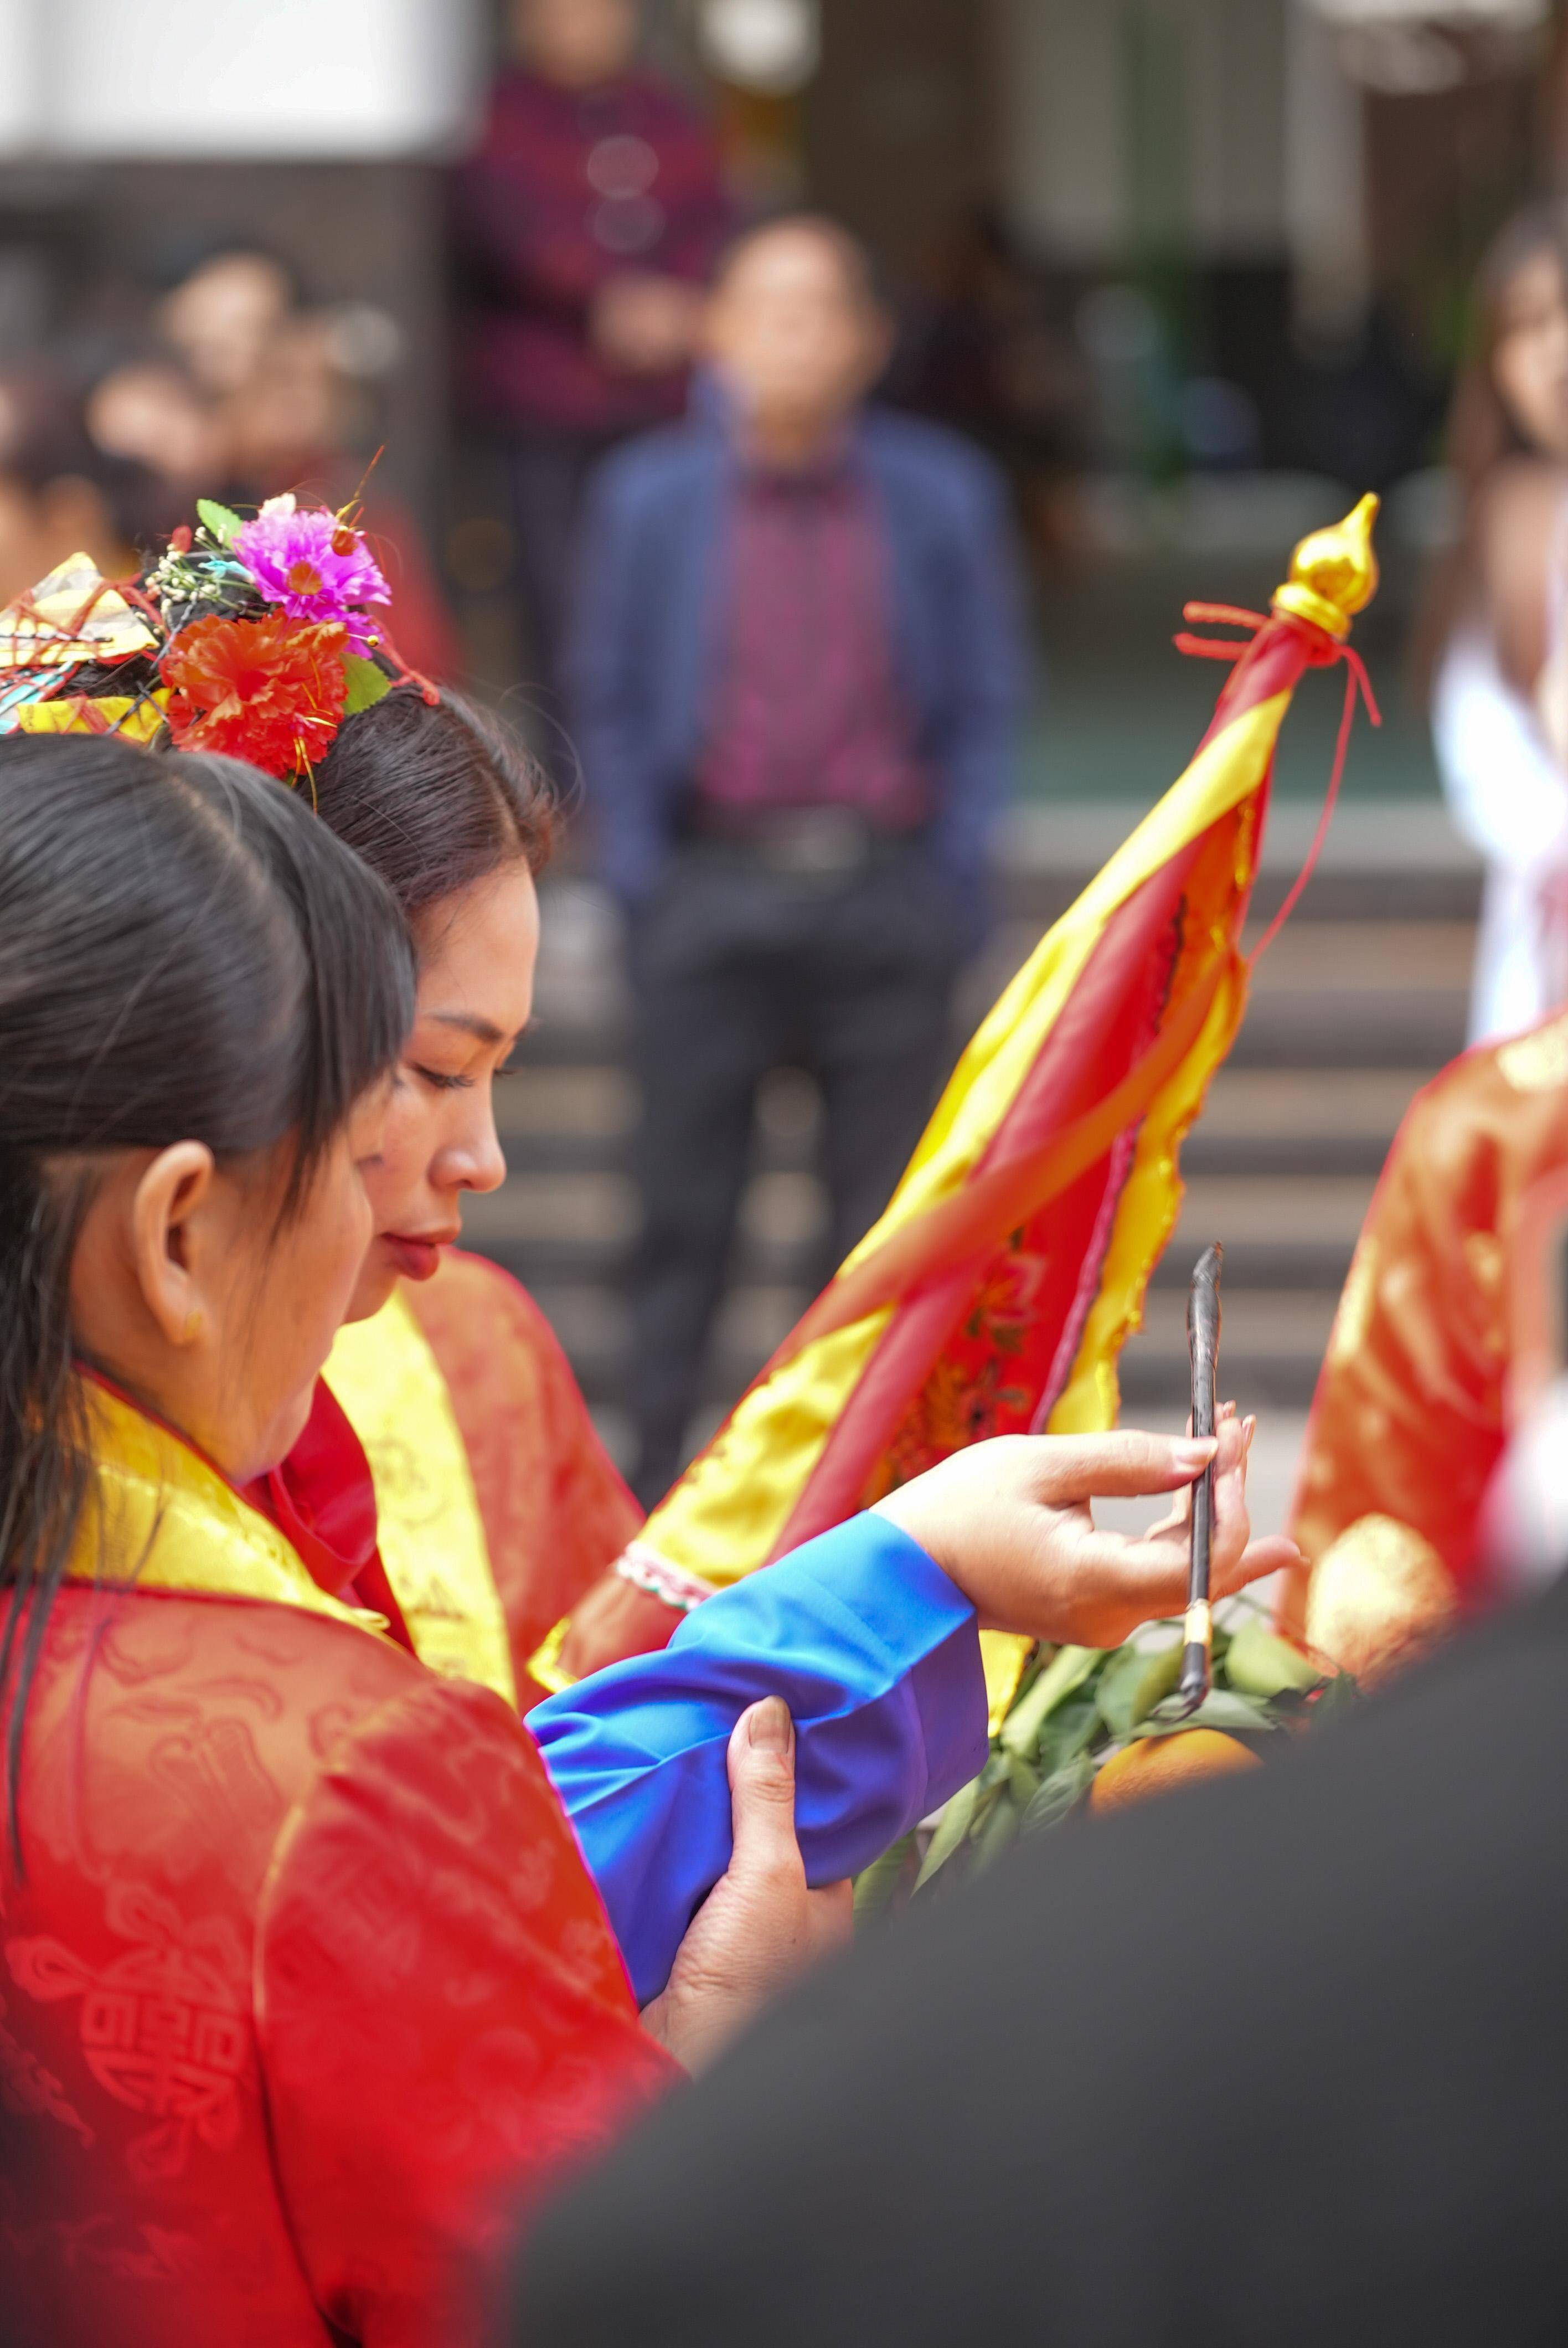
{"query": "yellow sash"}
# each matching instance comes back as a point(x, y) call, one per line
point(162, 1518)
point(431, 1533)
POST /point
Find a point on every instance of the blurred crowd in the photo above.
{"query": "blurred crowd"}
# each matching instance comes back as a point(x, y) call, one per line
point(583, 232)
point(230, 385)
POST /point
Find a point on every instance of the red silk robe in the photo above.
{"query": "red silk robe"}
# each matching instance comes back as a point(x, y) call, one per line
point(1409, 1419)
point(304, 1988)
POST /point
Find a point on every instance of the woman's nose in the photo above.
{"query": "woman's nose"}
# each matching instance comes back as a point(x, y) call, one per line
point(479, 1162)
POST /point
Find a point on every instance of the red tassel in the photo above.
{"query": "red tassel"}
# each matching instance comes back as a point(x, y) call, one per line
point(1356, 681)
point(1325, 652)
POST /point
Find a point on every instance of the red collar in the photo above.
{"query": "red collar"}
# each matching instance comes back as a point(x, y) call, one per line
point(321, 1499)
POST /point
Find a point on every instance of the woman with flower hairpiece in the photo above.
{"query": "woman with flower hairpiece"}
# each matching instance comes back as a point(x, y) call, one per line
point(305, 1987)
point(477, 1514)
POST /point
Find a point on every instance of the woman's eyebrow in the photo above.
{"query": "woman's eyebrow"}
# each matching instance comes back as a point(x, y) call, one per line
point(483, 1030)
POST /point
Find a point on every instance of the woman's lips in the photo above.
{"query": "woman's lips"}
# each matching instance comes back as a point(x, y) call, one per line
point(417, 1259)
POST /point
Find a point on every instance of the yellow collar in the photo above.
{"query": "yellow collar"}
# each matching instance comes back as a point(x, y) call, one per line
point(430, 1532)
point(162, 1518)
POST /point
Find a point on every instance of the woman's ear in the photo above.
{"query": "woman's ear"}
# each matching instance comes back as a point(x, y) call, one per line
point(164, 1224)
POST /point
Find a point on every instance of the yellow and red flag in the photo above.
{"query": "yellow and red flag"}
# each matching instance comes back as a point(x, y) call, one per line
point(996, 1291)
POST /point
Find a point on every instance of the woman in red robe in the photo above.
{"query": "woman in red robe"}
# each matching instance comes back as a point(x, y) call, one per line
point(276, 1901)
point(305, 1986)
point(305, 1983)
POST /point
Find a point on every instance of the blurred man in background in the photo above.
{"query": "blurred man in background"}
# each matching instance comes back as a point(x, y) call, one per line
point(798, 663)
point(147, 410)
point(588, 220)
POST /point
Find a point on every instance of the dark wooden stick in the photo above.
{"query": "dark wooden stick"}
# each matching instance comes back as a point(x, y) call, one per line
point(1204, 1350)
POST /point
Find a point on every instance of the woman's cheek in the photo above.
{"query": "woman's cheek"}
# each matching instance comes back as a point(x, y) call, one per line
point(390, 1177)
point(345, 1235)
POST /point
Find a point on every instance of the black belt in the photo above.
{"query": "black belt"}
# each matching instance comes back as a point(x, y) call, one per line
point(810, 843)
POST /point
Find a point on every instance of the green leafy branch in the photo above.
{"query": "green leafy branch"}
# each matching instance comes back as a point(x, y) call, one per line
point(1074, 1708)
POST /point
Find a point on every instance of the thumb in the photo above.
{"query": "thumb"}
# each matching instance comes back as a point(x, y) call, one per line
point(762, 1786)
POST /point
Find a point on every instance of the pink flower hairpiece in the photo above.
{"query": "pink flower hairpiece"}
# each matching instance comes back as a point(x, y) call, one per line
point(315, 566)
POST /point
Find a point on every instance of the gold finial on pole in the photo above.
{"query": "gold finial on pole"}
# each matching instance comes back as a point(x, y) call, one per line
point(1334, 573)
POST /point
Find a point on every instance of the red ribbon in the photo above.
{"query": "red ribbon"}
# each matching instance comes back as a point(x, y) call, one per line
point(1325, 652)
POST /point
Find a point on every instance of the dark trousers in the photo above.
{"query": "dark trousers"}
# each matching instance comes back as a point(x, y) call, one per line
point(739, 969)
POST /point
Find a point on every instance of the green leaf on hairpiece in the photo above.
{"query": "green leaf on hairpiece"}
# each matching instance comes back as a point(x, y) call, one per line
point(366, 684)
point(218, 521)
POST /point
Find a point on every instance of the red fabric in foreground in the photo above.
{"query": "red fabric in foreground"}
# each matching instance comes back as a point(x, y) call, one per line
point(305, 1992)
point(322, 1500)
point(1411, 1412)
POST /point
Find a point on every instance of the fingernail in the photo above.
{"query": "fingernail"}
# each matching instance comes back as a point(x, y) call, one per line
point(770, 1726)
point(1227, 1410)
point(1248, 1430)
point(1195, 1453)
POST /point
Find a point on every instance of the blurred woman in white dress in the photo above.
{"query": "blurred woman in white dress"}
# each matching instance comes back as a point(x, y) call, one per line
point(1496, 633)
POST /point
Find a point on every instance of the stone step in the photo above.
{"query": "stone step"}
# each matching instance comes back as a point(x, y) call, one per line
point(1267, 1222)
point(1299, 1121)
point(1376, 993)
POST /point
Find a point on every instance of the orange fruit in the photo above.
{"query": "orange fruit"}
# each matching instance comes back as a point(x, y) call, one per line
point(1380, 1597)
point(1156, 1764)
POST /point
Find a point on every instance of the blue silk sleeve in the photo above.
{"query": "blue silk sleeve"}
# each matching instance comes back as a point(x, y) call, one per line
point(876, 1653)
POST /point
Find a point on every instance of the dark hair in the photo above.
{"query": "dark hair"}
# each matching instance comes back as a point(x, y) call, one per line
point(185, 954)
point(857, 264)
point(1481, 431)
point(189, 251)
point(435, 796)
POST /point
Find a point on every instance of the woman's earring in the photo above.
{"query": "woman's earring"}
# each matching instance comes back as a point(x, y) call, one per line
point(193, 1324)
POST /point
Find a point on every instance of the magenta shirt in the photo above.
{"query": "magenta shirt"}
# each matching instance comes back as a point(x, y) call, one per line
point(569, 187)
point(807, 712)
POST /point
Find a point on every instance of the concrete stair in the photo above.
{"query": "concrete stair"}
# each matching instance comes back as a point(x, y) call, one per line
point(1359, 1001)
